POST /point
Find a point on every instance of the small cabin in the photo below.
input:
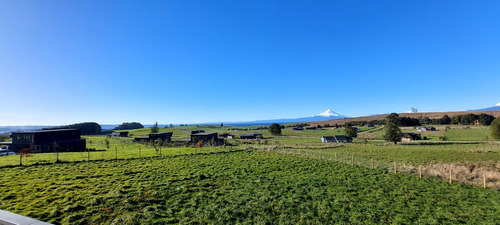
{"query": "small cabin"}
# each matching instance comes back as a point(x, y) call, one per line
point(411, 137)
point(336, 139)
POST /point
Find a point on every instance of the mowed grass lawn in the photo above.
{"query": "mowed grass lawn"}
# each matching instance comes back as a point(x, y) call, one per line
point(240, 187)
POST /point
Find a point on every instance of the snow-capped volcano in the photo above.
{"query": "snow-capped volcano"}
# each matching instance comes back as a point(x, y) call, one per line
point(326, 115)
point(329, 113)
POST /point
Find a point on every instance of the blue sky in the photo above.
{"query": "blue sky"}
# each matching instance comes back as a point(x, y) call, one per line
point(188, 61)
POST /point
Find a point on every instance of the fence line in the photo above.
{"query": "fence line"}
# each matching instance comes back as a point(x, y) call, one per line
point(453, 172)
point(103, 155)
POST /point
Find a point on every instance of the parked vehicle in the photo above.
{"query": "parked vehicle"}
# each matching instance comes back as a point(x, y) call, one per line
point(6, 152)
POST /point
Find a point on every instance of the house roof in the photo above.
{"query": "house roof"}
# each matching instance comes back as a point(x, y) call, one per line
point(412, 135)
point(342, 137)
point(203, 134)
point(337, 138)
point(44, 131)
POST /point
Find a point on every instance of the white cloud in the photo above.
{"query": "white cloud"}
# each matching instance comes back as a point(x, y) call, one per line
point(498, 104)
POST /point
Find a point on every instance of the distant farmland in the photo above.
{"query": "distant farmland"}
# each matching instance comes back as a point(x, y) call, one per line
point(431, 115)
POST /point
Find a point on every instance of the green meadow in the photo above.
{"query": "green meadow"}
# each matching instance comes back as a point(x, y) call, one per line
point(238, 187)
point(292, 178)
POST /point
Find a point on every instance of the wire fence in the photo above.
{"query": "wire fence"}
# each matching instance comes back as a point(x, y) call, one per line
point(115, 153)
point(486, 175)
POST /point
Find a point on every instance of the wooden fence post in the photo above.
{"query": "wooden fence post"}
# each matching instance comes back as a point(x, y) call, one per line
point(352, 160)
point(420, 171)
point(484, 181)
point(139, 153)
point(450, 175)
point(336, 159)
point(395, 168)
point(116, 152)
point(88, 155)
point(373, 167)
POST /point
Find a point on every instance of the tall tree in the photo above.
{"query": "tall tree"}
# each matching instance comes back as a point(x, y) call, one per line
point(495, 128)
point(485, 119)
point(445, 120)
point(392, 131)
point(275, 129)
point(350, 131)
point(155, 128)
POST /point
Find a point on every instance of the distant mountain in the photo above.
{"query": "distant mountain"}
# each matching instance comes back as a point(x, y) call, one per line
point(494, 108)
point(326, 115)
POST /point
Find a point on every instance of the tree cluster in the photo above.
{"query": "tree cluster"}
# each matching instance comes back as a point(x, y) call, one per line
point(87, 128)
point(467, 119)
point(275, 129)
point(350, 131)
point(470, 119)
point(362, 123)
point(129, 126)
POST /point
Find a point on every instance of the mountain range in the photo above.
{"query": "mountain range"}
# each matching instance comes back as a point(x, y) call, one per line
point(326, 115)
point(494, 108)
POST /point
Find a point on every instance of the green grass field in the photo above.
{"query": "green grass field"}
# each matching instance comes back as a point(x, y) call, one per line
point(292, 178)
point(238, 187)
point(474, 134)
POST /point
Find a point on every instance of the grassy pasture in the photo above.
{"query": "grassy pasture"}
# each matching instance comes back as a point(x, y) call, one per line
point(238, 187)
point(476, 133)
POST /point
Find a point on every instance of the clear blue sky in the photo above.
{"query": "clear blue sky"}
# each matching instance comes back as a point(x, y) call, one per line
point(188, 61)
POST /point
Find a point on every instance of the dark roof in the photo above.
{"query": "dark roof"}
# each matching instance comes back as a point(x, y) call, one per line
point(197, 131)
point(342, 137)
point(44, 131)
point(337, 138)
point(203, 134)
point(413, 135)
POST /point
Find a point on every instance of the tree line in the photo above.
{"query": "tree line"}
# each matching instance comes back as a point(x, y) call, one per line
point(467, 119)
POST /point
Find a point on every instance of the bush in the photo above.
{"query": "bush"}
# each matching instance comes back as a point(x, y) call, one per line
point(275, 129)
point(495, 128)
